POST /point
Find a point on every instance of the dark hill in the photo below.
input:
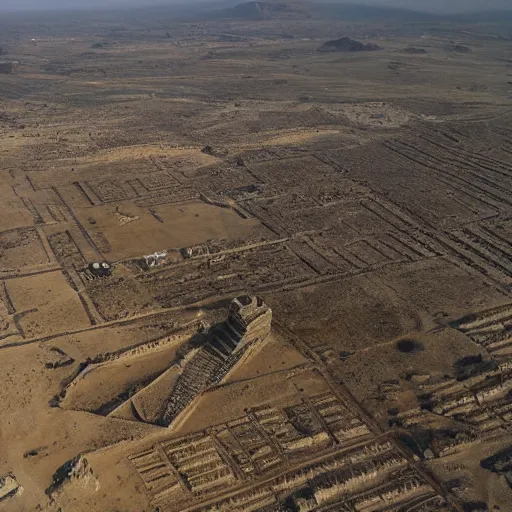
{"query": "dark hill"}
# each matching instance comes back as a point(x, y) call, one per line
point(345, 44)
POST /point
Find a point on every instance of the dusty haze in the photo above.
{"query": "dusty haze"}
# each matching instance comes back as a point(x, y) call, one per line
point(433, 5)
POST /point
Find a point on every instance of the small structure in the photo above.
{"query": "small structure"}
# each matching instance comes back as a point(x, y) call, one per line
point(156, 259)
point(194, 251)
point(100, 269)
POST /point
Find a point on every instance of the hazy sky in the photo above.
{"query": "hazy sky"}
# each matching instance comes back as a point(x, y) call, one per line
point(430, 5)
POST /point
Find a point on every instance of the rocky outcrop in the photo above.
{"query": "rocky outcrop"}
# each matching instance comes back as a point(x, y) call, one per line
point(9, 487)
point(74, 472)
point(500, 463)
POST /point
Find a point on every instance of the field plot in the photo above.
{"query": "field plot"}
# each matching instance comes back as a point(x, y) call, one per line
point(267, 266)
point(161, 227)
point(489, 329)
point(266, 440)
point(289, 172)
point(234, 457)
point(21, 248)
point(15, 212)
point(46, 304)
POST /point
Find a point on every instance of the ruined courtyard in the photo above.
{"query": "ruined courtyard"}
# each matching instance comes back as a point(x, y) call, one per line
point(238, 273)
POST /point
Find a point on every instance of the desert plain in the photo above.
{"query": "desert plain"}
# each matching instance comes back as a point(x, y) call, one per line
point(242, 269)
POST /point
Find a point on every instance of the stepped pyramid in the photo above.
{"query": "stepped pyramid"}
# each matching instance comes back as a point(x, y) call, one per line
point(249, 321)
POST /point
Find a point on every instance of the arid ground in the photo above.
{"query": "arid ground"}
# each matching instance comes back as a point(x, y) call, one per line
point(364, 196)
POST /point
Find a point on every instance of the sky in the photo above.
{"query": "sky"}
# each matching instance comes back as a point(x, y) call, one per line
point(426, 5)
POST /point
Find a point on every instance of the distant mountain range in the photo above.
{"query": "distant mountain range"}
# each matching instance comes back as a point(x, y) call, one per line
point(430, 6)
point(442, 6)
point(258, 10)
point(356, 10)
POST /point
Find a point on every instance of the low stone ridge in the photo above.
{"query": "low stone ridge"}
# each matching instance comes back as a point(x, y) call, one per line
point(415, 50)
point(458, 48)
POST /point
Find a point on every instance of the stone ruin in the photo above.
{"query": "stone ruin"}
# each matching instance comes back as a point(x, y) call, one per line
point(156, 259)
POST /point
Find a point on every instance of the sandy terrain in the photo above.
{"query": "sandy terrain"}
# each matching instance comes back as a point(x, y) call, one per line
point(240, 274)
